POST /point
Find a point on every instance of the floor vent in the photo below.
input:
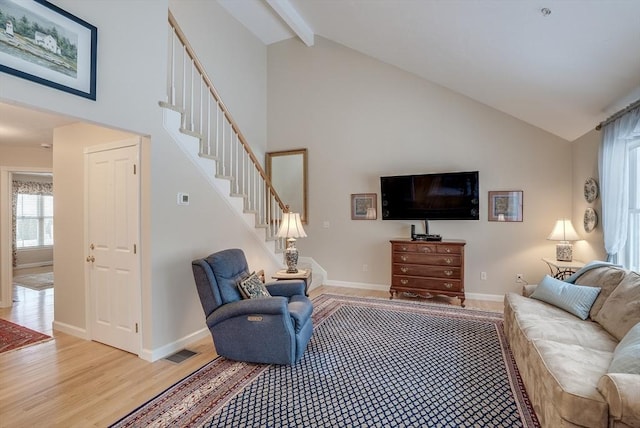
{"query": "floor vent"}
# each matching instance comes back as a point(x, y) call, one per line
point(180, 356)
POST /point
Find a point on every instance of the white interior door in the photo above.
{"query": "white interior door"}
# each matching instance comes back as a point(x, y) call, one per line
point(113, 230)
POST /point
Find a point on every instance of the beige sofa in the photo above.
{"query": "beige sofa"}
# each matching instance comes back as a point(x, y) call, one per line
point(564, 361)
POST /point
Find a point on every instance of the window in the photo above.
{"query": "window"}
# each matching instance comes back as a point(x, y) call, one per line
point(630, 253)
point(34, 220)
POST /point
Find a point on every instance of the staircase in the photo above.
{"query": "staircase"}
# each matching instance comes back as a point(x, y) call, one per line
point(200, 123)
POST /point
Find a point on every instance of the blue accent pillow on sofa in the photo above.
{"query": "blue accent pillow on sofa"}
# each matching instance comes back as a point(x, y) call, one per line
point(575, 299)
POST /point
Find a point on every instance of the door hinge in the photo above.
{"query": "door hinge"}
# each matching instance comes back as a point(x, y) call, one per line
point(136, 327)
point(135, 249)
point(134, 169)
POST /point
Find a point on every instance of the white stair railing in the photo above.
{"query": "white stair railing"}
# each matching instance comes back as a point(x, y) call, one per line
point(204, 116)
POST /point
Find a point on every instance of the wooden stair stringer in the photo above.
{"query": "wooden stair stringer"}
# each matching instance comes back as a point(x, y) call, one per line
point(206, 165)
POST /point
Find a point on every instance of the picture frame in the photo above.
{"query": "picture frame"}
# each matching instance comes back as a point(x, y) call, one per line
point(45, 44)
point(505, 205)
point(364, 206)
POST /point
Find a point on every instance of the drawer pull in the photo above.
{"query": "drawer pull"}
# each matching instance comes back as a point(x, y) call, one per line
point(404, 258)
point(404, 281)
point(425, 249)
point(404, 248)
point(447, 250)
point(448, 261)
point(404, 269)
point(448, 284)
point(448, 272)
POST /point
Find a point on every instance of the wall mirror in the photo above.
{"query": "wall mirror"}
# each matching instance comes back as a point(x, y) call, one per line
point(287, 171)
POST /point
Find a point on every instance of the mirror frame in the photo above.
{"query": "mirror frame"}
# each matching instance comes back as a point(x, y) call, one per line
point(304, 217)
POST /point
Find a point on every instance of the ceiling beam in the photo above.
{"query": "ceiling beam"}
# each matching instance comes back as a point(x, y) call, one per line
point(292, 18)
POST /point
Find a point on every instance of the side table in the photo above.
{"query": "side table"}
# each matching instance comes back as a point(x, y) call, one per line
point(562, 270)
point(303, 274)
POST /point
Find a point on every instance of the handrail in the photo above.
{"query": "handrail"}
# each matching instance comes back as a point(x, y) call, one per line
point(189, 50)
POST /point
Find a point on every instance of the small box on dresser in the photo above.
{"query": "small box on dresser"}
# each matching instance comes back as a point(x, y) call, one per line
point(427, 268)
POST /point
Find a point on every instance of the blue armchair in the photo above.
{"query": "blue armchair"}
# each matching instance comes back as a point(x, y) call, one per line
point(272, 330)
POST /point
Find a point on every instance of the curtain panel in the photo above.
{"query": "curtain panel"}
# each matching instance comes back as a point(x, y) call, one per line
point(613, 163)
point(24, 187)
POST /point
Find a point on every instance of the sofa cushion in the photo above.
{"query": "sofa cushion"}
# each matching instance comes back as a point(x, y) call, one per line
point(607, 278)
point(567, 375)
point(540, 320)
point(626, 357)
point(252, 287)
point(575, 299)
point(621, 310)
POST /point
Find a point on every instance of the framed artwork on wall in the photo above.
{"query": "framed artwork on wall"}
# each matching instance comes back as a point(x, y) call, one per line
point(364, 206)
point(44, 44)
point(505, 205)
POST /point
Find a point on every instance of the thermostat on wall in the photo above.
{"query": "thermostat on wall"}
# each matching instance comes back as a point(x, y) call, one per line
point(183, 199)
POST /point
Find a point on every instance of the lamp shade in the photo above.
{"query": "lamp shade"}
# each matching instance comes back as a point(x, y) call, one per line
point(563, 231)
point(291, 226)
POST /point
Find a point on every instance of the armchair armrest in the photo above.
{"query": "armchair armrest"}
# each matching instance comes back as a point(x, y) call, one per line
point(286, 288)
point(622, 392)
point(275, 305)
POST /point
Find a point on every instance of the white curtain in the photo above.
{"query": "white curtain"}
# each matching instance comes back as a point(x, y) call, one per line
point(613, 162)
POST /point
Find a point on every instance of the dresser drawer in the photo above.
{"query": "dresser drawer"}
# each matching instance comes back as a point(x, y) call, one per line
point(426, 283)
point(449, 249)
point(427, 259)
point(427, 270)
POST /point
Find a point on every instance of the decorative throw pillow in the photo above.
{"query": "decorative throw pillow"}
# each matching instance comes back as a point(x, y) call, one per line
point(626, 357)
point(621, 310)
point(253, 288)
point(607, 278)
point(575, 299)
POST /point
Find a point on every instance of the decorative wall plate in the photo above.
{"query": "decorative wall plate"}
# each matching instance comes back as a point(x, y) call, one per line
point(590, 219)
point(591, 189)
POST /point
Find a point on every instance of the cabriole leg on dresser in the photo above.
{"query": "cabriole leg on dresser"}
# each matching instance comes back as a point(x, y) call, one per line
point(392, 294)
point(461, 301)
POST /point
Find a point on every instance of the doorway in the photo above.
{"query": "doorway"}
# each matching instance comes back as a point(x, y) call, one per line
point(113, 234)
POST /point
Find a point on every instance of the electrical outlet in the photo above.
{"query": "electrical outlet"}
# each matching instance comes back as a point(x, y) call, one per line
point(483, 276)
point(519, 277)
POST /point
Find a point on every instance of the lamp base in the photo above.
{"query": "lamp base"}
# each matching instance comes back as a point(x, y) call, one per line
point(291, 256)
point(564, 252)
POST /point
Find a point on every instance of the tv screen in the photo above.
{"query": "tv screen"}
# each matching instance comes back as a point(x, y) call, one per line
point(446, 196)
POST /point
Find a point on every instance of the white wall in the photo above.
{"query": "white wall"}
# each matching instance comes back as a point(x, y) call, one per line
point(14, 159)
point(362, 119)
point(585, 165)
point(15, 156)
point(132, 46)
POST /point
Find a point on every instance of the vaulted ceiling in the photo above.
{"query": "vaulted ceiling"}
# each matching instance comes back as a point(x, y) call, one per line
point(564, 69)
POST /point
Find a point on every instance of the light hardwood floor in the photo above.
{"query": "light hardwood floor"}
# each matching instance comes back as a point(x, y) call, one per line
point(70, 382)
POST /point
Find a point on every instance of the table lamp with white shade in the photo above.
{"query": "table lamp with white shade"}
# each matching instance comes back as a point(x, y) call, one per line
point(291, 228)
point(564, 232)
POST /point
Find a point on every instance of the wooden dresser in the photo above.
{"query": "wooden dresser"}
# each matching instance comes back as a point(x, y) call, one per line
point(427, 268)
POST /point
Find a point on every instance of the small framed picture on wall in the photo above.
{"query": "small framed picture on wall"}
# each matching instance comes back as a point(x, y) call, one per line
point(505, 205)
point(364, 206)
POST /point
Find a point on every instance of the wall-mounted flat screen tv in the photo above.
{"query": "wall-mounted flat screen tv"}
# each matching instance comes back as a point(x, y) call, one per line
point(445, 196)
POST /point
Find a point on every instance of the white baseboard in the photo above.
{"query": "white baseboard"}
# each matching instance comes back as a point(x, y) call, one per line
point(34, 265)
point(385, 287)
point(485, 297)
point(156, 354)
point(360, 285)
point(71, 329)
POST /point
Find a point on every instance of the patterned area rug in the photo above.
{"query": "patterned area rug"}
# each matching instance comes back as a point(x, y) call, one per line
point(371, 363)
point(14, 336)
point(39, 281)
